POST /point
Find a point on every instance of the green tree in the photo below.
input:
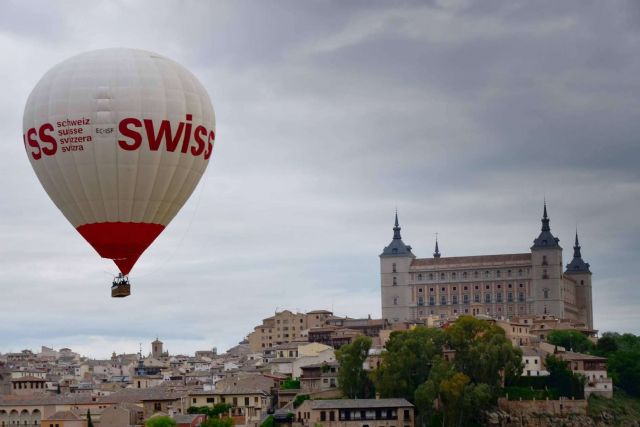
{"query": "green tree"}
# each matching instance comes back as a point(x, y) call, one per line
point(268, 422)
point(606, 344)
point(571, 340)
point(449, 398)
point(483, 353)
point(218, 422)
point(427, 395)
point(290, 384)
point(162, 421)
point(452, 397)
point(407, 361)
point(623, 354)
point(563, 379)
point(210, 411)
point(299, 399)
point(624, 368)
point(353, 379)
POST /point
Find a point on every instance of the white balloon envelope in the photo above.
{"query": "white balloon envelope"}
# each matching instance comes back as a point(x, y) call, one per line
point(119, 139)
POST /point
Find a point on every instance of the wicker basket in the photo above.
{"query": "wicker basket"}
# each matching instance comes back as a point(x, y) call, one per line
point(121, 290)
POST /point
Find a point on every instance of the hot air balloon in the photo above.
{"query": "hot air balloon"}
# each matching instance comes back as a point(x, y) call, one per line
point(119, 139)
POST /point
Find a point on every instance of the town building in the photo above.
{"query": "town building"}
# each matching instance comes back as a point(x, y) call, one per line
point(284, 327)
point(356, 413)
point(504, 285)
point(319, 377)
point(593, 368)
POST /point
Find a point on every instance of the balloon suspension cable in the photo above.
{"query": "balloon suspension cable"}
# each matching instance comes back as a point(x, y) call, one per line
point(184, 234)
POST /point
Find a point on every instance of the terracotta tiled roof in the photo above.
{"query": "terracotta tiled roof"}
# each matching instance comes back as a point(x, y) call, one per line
point(46, 399)
point(28, 378)
point(64, 416)
point(359, 403)
point(471, 261)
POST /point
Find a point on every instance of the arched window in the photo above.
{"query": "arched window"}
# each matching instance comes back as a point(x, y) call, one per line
point(487, 297)
point(420, 276)
point(443, 300)
point(464, 275)
point(393, 267)
point(395, 281)
point(395, 300)
point(441, 276)
point(546, 293)
point(454, 299)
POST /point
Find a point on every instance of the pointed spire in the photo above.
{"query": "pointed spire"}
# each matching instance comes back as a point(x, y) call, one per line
point(577, 264)
point(397, 247)
point(576, 247)
point(545, 219)
point(545, 239)
point(396, 228)
point(436, 254)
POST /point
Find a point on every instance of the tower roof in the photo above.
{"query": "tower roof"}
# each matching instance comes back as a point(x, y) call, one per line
point(577, 264)
point(397, 248)
point(436, 253)
point(545, 239)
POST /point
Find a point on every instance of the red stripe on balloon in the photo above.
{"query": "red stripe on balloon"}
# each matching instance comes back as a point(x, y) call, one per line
point(123, 242)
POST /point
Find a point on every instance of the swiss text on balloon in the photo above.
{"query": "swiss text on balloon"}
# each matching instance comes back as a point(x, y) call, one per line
point(133, 132)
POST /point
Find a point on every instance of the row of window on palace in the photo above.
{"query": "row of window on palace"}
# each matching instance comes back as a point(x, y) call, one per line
point(464, 275)
point(465, 288)
point(475, 311)
point(466, 298)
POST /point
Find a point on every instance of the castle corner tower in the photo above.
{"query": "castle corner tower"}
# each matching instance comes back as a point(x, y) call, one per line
point(579, 271)
point(546, 272)
point(395, 261)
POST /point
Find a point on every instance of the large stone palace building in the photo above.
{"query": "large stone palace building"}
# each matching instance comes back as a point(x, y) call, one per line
point(500, 286)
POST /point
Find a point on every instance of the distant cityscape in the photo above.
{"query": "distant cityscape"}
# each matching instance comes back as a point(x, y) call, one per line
point(289, 365)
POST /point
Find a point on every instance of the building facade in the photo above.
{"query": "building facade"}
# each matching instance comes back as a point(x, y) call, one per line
point(500, 286)
point(285, 327)
point(356, 413)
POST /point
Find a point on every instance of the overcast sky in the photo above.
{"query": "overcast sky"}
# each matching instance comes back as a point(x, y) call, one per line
point(463, 115)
